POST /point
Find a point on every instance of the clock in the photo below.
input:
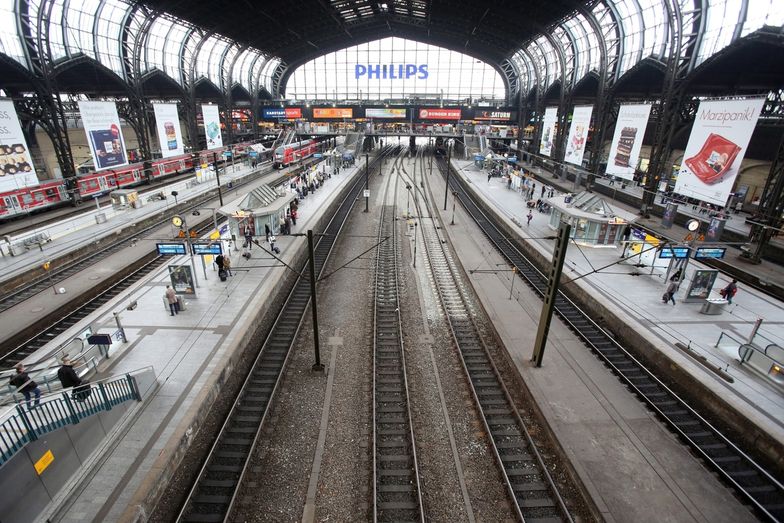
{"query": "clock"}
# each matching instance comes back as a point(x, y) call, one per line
point(177, 221)
point(693, 225)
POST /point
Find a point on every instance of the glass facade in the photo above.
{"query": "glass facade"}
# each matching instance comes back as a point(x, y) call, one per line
point(394, 68)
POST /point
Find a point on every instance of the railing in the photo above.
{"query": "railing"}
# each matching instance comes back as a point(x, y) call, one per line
point(19, 426)
point(768, 361)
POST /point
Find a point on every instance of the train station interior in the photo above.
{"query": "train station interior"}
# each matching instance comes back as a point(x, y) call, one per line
point(392, 260)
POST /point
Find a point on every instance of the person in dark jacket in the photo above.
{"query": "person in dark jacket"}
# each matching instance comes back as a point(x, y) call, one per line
point(21, 380)
point(69, 378)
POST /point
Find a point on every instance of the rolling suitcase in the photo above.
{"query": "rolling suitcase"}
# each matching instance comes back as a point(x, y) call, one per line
point(222, 274)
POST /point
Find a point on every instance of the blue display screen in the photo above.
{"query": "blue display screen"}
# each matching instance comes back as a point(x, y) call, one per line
point(710, 252)
point(674, 252)
point(170, 249)
point(204, 249)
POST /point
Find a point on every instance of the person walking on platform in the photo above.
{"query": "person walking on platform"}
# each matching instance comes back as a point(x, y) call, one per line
point(248, 236)
point(69, 378)
point(266, 231)
point(171, 298)
point(669, 294)
point(227, 265)
point(219, 262)
point(530, 217)
point(729, 291)
point(544, 188)
point(21, 380)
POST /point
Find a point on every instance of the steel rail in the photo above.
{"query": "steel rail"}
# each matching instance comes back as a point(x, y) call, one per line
point(753, 483)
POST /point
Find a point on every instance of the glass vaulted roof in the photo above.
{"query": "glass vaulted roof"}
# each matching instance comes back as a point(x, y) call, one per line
point(630, 30)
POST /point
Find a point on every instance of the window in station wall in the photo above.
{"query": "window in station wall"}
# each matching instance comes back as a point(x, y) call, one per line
point(395, 68)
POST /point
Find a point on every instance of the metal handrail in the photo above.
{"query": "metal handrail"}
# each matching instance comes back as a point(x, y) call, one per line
point(730, 336)
point(19, 426)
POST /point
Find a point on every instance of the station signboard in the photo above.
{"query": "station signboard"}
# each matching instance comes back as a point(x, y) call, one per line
point(282, 112)
point(333, 112)
point(440, 114)
point(207, 249)
point(385, 113)
point(170, 249)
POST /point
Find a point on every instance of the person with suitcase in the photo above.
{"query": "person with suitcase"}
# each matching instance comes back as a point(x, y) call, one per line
point(271, 240)
point(227, 265)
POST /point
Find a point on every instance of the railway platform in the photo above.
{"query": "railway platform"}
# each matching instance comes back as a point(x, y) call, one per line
point(192, 354)
point(633, 467)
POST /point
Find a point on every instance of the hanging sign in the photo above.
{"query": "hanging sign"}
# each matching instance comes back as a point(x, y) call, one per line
point(167, 122)
point(548, 131)
point(212, 128)
point(719, 137)
point(104, 134)
point(290, 113)
point(578, 134)
point(492, 115)
point(16, 165)
point(627, 140)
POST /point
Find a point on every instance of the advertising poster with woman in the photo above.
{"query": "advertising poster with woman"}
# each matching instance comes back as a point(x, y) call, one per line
point(212, 128)
point(627, 140)
point(104, 134)
point(167, 122)
point(548, 131)
point(16, 166)
point(578, 134)
point(717, 143)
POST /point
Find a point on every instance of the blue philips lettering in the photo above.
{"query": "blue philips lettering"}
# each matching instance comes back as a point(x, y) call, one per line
point(373, 70)
point(411, 70)
point(391, 71)
point(422, 72)
point(384, 68)
point(359, 70)
point(400, 69)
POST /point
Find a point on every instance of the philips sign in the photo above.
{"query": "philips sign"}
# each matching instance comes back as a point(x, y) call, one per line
point(391, 71)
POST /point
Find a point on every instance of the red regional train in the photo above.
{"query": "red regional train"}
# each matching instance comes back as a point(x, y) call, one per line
point(291, 153)
point(54, 192)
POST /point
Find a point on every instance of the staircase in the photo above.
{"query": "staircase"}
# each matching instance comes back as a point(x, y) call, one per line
point(20, 426)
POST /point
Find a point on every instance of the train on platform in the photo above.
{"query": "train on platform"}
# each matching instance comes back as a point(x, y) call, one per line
point(287, 154)
point(92, 184)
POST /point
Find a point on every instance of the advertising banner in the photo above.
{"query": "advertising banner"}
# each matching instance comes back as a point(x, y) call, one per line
point(182, 279)
point(492, 115)
point(385, 113)
point(16, 166)
point(548, 131)
point(627, 140)
point(167, 121)
point(333, 112)
point(578, 134)
point(212, 128)
point(104, 134)
point(719, 137)
point(669, 215)
point(701, 285)
point(290, 113)
point(440, 114)
point(715, 229)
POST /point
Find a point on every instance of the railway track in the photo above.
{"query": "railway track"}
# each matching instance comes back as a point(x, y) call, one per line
point(67, 270)
point(146, 265)
point(754, 485)
point(214, 493)
point(525, 474)
point(396, 490)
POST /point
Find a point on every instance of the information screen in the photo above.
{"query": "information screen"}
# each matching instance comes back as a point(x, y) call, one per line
point(170, 249)
point(715, 253)
point(204, 249)
point(674, 252)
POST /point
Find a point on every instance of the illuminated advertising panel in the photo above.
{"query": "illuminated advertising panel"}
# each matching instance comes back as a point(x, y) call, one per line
point(333, 112)
point(385, 113)
point(492, 115)
point(16, 165)
point(104, 134)
point(440, 114)
point(290, 113)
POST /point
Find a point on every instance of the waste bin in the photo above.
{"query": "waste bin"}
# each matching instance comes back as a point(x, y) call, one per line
point(181, 303)
point(100, 218)
point(713, 307)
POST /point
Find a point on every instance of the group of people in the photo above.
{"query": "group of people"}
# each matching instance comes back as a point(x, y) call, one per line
point(68, 377)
